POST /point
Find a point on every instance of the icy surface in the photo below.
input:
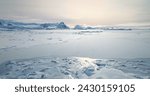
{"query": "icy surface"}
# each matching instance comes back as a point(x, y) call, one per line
point(76, 67)
point(61, 54)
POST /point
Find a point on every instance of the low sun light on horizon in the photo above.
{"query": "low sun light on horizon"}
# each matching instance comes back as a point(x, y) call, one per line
point(90, 12)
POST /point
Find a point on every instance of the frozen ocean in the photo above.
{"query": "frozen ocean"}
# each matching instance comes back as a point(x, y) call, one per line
point(75, 54)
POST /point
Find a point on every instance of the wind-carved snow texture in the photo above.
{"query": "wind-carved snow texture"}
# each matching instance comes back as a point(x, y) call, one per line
point(75, 67)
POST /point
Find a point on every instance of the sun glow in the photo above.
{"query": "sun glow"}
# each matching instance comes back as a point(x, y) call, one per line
point(91, 12)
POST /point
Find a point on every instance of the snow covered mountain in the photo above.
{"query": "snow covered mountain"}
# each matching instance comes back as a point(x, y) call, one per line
point(14, 25)
point(112, 27)
point(62, 25)
point(81, 27)
point(10, 25)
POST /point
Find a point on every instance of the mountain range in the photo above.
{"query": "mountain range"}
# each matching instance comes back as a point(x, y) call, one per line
point(9, 24)
point(14, 25)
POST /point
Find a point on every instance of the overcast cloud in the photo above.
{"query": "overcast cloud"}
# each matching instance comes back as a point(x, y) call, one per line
point(91, 12)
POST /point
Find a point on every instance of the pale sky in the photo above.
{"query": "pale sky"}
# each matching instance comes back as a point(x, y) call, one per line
point(90, 12)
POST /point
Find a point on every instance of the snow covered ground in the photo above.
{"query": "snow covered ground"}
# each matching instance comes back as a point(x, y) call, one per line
point(75, 54)
point(75, 67)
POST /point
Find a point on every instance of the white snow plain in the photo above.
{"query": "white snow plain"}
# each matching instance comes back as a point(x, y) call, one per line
point(111, 54)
